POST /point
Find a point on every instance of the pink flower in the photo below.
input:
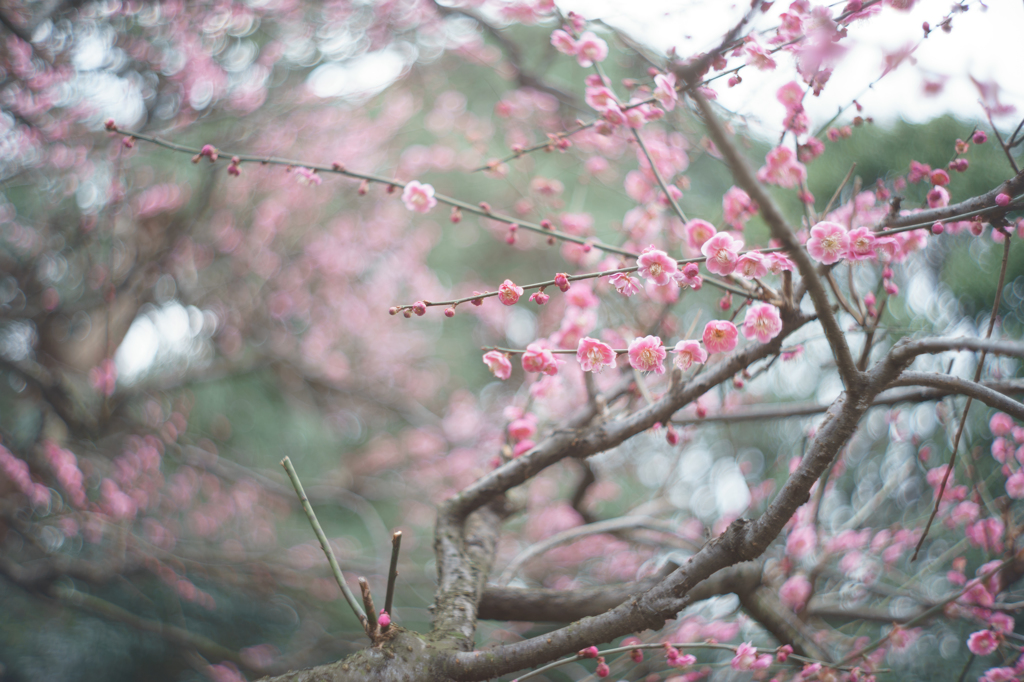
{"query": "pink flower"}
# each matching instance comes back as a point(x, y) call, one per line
point(523, 428)
point(305, 176)
point(687, 353)
point(1002, 199)
point(624, 284)
point(783, 652)
point(656, 266)
point(801, 542)
point(795, 592)
point(751, 264)
point(599, 97)
point(689, 276)
point(829, 242)
point(562, 281)
point(593, 355)
point(939, 177)
point(540, 359)
point(498, 363)
point(777, 262)
point(737, 207)
point(665, 90)
point(763, 322)
point(418, 197)
point(602, 669)
point(939, 197)
point(104, 377)
point(509, 293)
point(980, 137)
point(1015, 485)
point(983, 642)
point(697, 232)
point(647, 354)
point(759, 56)
point(862, 244)
point(1001, 424)
point(720, 336)
point(781, 168)
point(918, 171)
point(590, 49)
point(1002, 674)
point(747, 659)
point(563, 42)
point(722, 253)
point(384, 619)
point(790, 95)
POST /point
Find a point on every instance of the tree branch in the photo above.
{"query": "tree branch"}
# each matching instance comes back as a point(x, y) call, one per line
point(781, 230)
point(951, 384)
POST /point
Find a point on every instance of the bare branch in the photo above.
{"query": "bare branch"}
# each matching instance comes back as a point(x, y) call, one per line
point(950, 384)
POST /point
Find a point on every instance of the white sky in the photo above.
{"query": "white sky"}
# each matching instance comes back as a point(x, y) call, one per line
point(985, 42)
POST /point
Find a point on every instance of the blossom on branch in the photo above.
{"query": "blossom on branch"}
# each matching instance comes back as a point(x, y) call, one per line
point(829, 242)
point(590, 49)
point(540, 359)
point(594, 355)
point(647, 354)
point(762, 322)
point(509, 293)
point(624, 284)
point(656, 266)
point(418, 197)
point(498, 363)
point(720, 336)
point(689, 353)
point(722, 253)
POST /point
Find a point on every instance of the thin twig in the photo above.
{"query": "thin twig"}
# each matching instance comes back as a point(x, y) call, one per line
point(308, 508)
point(372, 627)
point(396, 545)
point(967, 406)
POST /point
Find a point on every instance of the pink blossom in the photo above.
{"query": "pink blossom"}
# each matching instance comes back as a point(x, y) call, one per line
point(540, 359)
point(751, 264)
point(862, 244)
point(523, 428)
point(783, 652)
point(801, 542)
point(688, 353)
point(689, 276)
point(737, 207)
point(384, 619)
point(306, 176)
point(665, 90)
point(939, 177)
point(781, 168)
point(624, 284)
point(647, 354)
point(795, 592)
point(582, 297)
point(939, 197)
point(1002, 674)
point(983, 642)
point(1015, 485)
point(590, 49)
point(599, 97)
point(777, 262)
point(747, 659)
point(790, 95)
point(509, 293)
point(104, 377)
point(522, 446)
point(1001, 424)
point(498, 363)
point(563, 42)
point(722, 253)
point(720, 336)
point(593, 355)
point(763, 322)
point(829, 242)
point(697, 232)
point(656, 266)
point(602, 669)
point(759, 56)
point(562, 281)
point(918, 171)
point(418, 197)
